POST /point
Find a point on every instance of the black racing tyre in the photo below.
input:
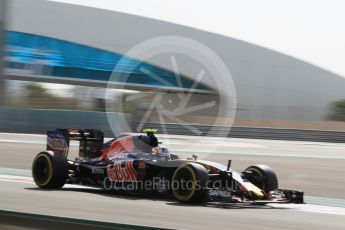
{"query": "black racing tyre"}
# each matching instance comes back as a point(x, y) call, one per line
point(263, 177)
point(189, 183)
point(50, 170)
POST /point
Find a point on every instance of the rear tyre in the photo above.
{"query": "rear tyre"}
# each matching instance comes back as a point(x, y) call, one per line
point(263, 177)
point(50, 170)
point(189, 183)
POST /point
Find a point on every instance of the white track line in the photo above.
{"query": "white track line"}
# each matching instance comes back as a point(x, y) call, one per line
point(298, 207)
point(314, 208)
point(29, 180)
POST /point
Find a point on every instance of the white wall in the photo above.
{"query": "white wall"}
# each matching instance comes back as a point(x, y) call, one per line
point(269, 85)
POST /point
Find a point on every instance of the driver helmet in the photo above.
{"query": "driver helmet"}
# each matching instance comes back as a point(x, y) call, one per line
point(160, 151)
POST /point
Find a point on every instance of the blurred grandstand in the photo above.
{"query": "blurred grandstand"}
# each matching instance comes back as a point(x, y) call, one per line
point(60, 56)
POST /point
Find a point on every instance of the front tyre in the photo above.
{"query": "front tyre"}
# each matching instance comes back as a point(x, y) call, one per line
point(50, 170)
point(263, 177)
point(189, 183)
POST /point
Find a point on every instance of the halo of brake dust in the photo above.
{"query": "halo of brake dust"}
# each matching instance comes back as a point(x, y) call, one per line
point(211, 70)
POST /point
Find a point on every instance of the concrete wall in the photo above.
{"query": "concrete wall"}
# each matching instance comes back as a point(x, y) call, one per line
point(39, 121)
point(2, 45)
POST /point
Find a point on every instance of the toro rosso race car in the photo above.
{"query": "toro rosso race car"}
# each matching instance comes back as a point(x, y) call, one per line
point(141, 164)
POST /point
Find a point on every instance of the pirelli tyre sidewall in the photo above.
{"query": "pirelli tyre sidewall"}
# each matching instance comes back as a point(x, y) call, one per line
point(263, 177)
point(189, 183)
point(50, 170)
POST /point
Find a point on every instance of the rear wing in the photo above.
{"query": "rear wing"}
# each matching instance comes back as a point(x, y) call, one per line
point(90, 141)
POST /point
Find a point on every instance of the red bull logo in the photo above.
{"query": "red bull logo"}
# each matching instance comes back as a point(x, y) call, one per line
point(118, 173)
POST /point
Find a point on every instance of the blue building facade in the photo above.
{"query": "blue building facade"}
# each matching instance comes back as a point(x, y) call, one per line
point(59, 58)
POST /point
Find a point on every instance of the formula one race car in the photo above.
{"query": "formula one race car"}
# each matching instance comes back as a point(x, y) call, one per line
point(141, 164)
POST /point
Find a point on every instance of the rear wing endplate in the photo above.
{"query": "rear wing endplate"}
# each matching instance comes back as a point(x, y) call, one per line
point(91, 140)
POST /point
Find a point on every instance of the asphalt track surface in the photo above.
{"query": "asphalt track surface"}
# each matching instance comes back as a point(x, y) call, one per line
point(316, 168)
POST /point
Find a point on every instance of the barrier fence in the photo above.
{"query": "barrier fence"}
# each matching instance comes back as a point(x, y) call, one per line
point(39, 121)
